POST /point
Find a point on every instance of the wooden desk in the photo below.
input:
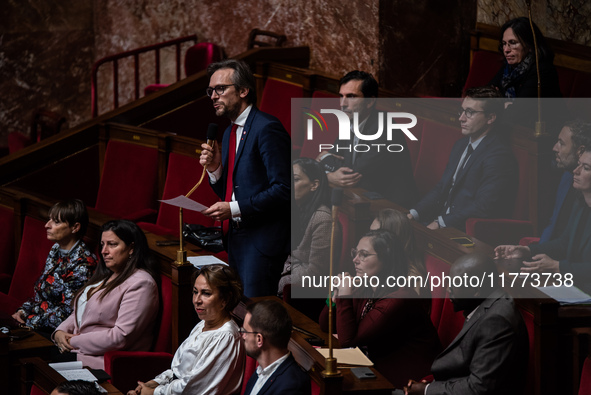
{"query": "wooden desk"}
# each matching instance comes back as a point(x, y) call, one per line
point(35, 371)
point(13, 350)
point(310, 359)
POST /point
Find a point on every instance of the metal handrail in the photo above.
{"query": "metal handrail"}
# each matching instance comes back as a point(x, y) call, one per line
point(135, 53)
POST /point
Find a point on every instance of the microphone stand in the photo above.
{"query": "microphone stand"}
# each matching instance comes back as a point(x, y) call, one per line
point(331, 362)
point(181, 254)
point(540, 126)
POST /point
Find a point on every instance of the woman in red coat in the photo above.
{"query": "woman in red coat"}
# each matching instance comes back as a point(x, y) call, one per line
point(382, 315)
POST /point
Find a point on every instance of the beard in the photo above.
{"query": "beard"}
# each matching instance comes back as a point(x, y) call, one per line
point(228, 112)
point(254, 353)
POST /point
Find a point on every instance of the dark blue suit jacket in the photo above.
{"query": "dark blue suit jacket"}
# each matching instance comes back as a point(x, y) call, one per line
point(485, 187)
point(566, 183)
point(262, 181)
point(573, 247)
point(288, 379)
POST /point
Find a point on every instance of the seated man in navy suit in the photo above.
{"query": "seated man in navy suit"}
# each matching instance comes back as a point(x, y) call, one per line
point(480, 179)
point(266, 332)
point(490, 354)
point(572, 140)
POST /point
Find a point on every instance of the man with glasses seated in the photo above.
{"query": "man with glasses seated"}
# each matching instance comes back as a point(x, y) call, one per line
point(251, 174)
point(481, 176)
point(266, 333)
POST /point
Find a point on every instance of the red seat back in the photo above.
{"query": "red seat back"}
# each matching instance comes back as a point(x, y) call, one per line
point(436, 267)
point(276, 100)
point(164, 338)
point(31, 259)
point(528, 318)
point(128, 182)
point(437, 141)
point(182, 175)
point(485, 64)
point(521, 209)
point(249, 368)
point(566, 78)
point(17, 141)
point(201, 55)
point(451, 323)
point(6, 241)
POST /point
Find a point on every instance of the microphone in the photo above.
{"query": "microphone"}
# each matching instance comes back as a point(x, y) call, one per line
point(212, 132)
point(336, 200)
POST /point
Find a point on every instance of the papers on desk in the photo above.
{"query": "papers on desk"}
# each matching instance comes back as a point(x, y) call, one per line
point(186, 203)
point(567, 295)
point(204, 260)
point(347, 356)
point(73, 371)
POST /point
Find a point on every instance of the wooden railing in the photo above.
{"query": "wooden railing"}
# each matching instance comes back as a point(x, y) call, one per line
point(135, 53)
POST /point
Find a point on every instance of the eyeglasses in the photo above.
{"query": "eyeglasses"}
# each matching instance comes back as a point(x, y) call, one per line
point(511, 43)
point(468, 111)
point(244, 331)
point(362, 254)
point(219, 89)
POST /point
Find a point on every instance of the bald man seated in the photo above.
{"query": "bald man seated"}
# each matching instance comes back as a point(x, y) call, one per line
point(490, 354)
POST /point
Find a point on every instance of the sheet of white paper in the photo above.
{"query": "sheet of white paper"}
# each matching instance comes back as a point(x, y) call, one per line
point(186, 203)
point(78, 374)
point(567, 295)
point(59, 366)
point(205, 260)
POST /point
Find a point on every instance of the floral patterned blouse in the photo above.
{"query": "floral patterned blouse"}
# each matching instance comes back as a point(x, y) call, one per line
point(63, 275)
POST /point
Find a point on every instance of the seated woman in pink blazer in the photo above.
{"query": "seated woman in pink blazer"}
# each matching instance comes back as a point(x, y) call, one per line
point(117, 308)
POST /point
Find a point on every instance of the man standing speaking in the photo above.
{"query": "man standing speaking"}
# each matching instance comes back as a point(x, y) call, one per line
point(251, 174)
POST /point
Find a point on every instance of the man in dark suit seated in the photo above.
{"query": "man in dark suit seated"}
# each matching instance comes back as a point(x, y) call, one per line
point(480, 179)
point(490, 354)
point(266, 333)
point(251, 173)
point(572, 140)
point(377, 170)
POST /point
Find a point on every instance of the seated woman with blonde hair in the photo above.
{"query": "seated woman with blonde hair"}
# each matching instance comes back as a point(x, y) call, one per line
point(211, 360)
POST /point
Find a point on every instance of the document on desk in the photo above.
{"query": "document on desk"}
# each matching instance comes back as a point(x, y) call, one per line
point(73, 371)
point(567, 295)
point(204, 260)
point(186, 203)
point(347, 356)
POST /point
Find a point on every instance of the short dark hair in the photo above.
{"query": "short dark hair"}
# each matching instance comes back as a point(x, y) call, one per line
point(226, 280)
point(523, 32)
point(369, 87)
point(272, 320)
point(581, 133)
point(71, 211)
point(242, 76)
point(78, 387)
point(490, 97)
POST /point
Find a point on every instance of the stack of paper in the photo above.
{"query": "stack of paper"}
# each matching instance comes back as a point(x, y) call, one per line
point(347, 356)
